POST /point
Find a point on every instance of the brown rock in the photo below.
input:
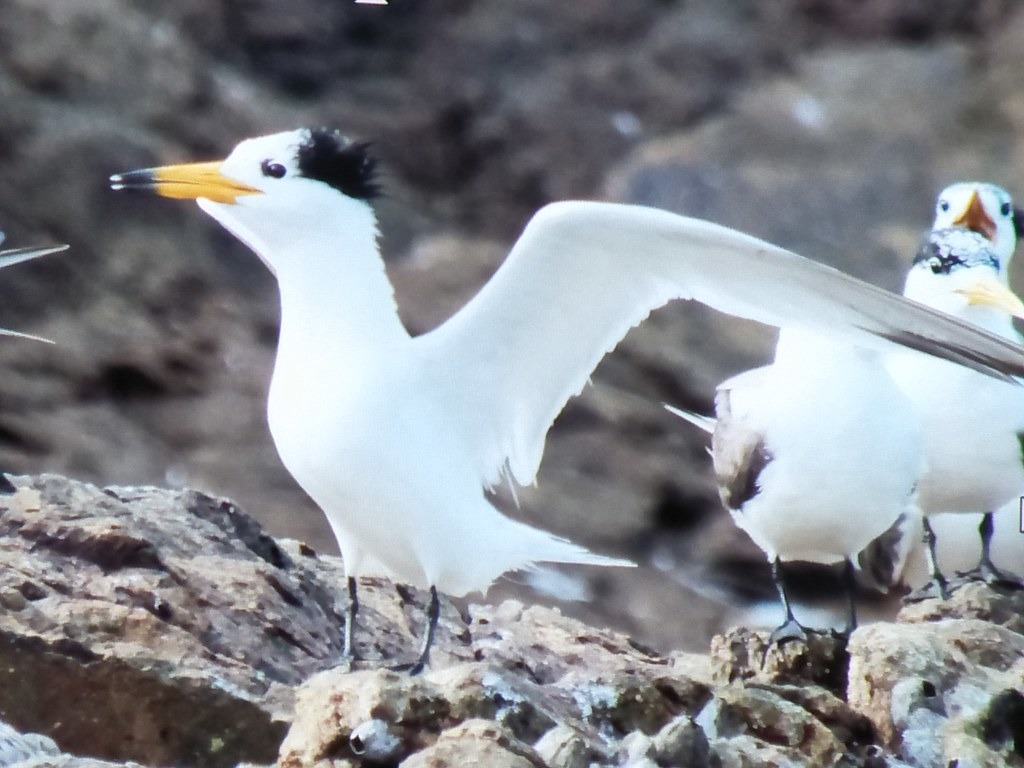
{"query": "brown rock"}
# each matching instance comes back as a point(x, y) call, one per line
point(742, 654)
point(535, 672)
point(926, 687)
point(562, 747)
point(757, 722)
point(475, 742)
point(850, 727)
point(681, 742)
point(971, 600)
point(166, 627)
point(175, 625)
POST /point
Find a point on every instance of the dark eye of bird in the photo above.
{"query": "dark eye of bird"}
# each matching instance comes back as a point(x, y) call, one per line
point(936, 265)
point(272, 169)
point(1006, 209)
point(943, 205)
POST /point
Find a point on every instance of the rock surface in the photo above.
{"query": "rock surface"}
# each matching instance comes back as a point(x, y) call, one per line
point(171, 614)
point(825, 125)
point(155, 627)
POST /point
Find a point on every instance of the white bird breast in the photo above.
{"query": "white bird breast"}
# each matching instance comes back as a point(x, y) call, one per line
point(846, 455)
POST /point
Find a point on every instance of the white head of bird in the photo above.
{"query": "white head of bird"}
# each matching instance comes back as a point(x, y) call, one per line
point(272, 187)
point(302, 200)
point(959, 272)
point(983, 208)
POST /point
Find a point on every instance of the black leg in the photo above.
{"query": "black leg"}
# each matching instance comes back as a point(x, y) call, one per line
point(986, 569)
point(850, 584)
point(348, 649)
point(937, 586)
point(433, 614)
point(790, 629)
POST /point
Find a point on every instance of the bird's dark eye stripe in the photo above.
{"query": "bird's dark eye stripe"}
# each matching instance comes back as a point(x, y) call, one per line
point(272, 169)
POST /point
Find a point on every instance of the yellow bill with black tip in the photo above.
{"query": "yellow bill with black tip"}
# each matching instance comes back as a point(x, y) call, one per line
point(185, 182)
point(989, 292)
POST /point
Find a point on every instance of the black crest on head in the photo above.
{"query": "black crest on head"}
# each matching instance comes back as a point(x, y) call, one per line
point(328, 156)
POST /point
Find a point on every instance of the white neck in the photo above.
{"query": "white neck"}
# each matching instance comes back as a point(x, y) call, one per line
point(336, 297)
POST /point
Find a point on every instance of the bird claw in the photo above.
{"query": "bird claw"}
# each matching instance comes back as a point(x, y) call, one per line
point(414, 668)
point(845, 633)
point(993, 576)
point(788, 630)
point(935, 589)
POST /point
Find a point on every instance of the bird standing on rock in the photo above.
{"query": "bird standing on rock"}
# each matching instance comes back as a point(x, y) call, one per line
point(973, 425)
point(396, 438)
point(821, 453)
point(815, 456)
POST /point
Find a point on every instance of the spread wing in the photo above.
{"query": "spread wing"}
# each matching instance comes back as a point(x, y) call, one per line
point(583, 273)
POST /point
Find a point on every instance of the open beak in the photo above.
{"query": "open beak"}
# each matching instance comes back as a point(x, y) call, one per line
point(185, 182)
point(989, 292)
point(975, 218)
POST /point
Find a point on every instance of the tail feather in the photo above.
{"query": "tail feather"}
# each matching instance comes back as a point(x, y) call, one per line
point(543, 547)
point(514, 546)
point(558, 550)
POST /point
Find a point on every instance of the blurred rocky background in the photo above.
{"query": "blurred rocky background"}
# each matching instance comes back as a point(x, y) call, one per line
point(822, 125)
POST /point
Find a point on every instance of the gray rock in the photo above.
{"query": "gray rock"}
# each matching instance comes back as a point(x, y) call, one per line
point(16, 747)
point(741, 654)
point(170, 617)
point(682, 742)
point(167, 628)
point(548, 680)
point(475, 742)
point(934, 690)
point(32, 750)
point(756, 721)
point(971, 600)
point(374, 740)
point(562, 747)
